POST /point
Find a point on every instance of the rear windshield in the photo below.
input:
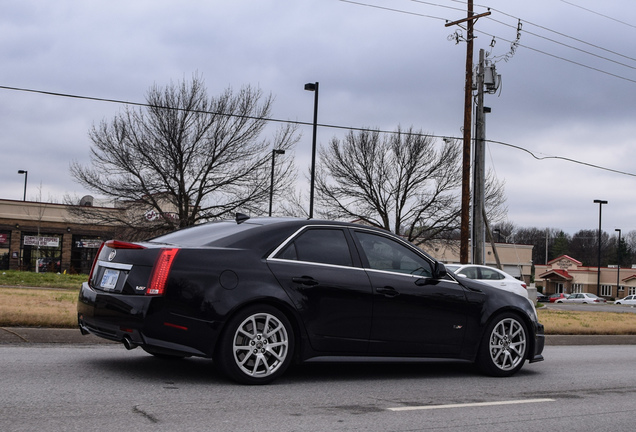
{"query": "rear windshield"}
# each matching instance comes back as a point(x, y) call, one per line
point(204, 235)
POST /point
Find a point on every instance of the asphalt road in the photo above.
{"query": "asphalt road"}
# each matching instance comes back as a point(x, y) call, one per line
point(63, 387)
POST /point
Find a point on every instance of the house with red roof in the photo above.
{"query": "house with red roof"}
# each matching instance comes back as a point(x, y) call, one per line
point(568, 275)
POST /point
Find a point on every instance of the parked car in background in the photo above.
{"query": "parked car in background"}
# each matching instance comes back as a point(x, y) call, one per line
point(629, 300)
point(557, 296)
point(585, 298)
point(48, 264)
point(258, 294)
point(491, 276)
point(542, 298)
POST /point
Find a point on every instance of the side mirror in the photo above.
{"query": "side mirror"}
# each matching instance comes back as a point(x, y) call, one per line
point(439, 271)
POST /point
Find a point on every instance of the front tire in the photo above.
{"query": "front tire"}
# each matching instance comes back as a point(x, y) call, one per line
point(504, 346)
point(257, 345)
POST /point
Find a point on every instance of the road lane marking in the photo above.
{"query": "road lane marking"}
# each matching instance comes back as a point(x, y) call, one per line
point(469, 405)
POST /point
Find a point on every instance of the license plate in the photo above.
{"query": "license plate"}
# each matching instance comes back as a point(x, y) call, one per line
point(109, 279)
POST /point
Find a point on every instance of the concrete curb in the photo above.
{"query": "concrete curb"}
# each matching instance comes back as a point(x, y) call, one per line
point(590, 340)
point(27, 335)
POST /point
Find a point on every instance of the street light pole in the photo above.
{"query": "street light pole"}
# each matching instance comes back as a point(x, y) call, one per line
point(618, 258)
point(314, 88)
point(271, 185)
point(26, 175)
point(598, 275)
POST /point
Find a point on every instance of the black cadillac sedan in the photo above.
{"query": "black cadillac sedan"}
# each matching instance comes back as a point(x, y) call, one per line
point(258, 294)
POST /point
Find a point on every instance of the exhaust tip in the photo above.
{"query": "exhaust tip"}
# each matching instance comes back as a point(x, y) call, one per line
point(129, 344)
point(82, 327)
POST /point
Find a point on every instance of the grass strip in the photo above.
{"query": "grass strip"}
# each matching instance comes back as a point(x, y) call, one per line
point(45, 280)
point(56, 306)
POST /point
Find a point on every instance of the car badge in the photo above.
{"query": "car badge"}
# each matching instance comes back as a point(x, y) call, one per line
point(111, 255)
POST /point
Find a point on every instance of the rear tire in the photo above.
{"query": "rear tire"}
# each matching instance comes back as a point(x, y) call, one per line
point(257, 345)
point(504, 346)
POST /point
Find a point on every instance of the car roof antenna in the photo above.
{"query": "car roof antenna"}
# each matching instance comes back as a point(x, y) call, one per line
point(240, 218)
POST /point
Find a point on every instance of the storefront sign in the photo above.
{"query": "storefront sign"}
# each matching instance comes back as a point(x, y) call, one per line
point(41, 241)
point(153, 215)
point(3, 238)
point(88, 243)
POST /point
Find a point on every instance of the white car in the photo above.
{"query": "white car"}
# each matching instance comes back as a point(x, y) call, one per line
point(629, 300)
point(491, 276)
point(584, 298)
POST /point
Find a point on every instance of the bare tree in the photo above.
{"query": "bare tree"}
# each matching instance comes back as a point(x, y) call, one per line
point(403, 182)
point(185, 157)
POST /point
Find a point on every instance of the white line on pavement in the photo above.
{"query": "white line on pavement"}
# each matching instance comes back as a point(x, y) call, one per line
point(468, 405)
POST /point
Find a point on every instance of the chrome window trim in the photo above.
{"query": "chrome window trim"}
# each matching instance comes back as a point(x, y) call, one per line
point(412, 276)
point(296, 233)
point(281, 260)
point(272, 256)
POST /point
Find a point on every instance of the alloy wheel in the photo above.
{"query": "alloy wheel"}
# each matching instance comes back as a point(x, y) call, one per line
point(508, 344)
point(260, 345)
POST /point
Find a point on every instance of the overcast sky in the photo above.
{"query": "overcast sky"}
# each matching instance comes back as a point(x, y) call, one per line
point(568, 91)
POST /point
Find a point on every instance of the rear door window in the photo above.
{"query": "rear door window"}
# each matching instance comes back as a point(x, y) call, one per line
point(319, 245)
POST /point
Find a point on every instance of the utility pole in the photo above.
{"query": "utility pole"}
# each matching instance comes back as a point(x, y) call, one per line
point(468, 107)
point(479, 176)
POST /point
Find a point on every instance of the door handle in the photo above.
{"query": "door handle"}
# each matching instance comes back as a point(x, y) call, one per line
point(388, 291)
point(305, 280)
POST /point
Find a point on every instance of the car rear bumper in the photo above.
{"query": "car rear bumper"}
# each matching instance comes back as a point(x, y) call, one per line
point(141, 321)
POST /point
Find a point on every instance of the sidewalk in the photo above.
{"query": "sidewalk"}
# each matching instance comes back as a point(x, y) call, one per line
point(25, 335)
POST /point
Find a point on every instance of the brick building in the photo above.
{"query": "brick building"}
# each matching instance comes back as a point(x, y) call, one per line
point(37, 236)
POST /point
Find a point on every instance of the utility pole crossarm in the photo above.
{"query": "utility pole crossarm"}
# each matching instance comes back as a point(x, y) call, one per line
point(474, 17)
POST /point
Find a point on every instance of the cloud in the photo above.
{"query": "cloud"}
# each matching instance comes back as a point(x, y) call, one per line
point(376, 68)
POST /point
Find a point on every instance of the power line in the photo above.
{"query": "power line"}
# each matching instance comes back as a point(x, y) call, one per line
point(560, 34)
point(599, 14)
point(551, 30)
point(358, 3)
point(561, 58)
point(328, 126)
point(570, 46)
point(392, 9)
point(563, 158)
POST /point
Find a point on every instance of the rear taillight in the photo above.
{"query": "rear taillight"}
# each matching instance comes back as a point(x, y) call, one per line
point(90, 275)
point(160, 272)
point(524, 285)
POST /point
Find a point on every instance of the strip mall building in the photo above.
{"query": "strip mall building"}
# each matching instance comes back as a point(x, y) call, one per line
point(36, 236)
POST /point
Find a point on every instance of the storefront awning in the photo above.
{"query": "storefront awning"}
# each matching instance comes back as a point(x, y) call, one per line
point(556, 274)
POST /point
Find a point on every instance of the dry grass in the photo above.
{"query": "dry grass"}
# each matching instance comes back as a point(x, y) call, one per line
point(24, 307)
point(587, 323)
point(21, 307)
